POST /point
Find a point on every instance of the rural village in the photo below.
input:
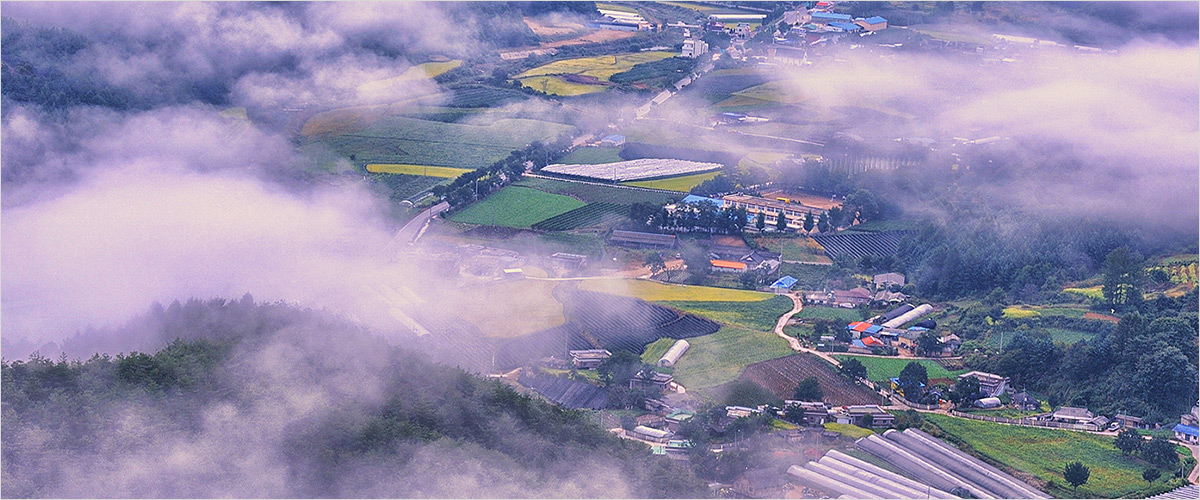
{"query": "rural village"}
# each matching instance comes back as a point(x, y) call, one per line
point(709, 263)
point(744, 315)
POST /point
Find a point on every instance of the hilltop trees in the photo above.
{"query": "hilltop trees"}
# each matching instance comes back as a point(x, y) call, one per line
point(1124, 278)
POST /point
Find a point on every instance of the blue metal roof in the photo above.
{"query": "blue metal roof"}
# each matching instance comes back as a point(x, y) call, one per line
point(875, 20)
point(858, 343)
point(1187, 429)
point(830, 15)
point(691, 198)
point(846, 26)
point(917, 328)
point(874, 329)
point(784, 282)
point(614, 137)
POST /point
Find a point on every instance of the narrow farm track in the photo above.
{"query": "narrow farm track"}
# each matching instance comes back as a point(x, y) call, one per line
point(793, 341)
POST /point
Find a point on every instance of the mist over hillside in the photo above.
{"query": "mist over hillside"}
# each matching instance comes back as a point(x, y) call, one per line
point(191, 224)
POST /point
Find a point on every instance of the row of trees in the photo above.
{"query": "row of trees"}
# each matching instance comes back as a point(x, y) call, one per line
point(689, 217)
point(476, 184)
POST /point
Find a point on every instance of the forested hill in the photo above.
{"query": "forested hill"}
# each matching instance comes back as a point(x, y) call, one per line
point(300, 408)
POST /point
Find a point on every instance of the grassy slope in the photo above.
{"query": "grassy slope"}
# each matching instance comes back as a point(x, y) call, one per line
point(760, 315)
point(516, 206)
point(745, 337)
point(1044, 452)
point(879, 369)
point(719, 358)
point(834, 313)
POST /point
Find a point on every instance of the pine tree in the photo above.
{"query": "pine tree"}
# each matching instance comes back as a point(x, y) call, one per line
point(809, 223)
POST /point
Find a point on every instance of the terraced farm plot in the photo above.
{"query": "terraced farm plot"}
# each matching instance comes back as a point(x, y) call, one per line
point(781, 376)
point(419, 170)
point(590, 155)
point(802, 249)
point(858, 245)
point(592, 214)
point(1065, 310)
point(516, 206)
point(658, 292)
point(567, 77)
point(596, 193)
point(883, 369)
point(403, 186)
point(760, 315)
point(1044, 452)
point(779, 91)
point(403, 140)
point(555, 85)
point(683, 183)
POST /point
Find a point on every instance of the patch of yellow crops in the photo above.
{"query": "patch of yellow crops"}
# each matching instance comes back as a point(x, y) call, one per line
point(654, 291)
point(423, 170)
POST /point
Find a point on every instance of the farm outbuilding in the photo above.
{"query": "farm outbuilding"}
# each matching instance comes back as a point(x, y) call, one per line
point(988, 402)
point(674, 353)
point(912, 315)
point(727, 265)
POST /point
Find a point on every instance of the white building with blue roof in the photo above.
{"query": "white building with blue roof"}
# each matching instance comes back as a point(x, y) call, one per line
point(1186, 433)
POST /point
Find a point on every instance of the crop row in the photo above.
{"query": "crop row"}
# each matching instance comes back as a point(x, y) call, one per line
point(781, 376)
point(588, 215)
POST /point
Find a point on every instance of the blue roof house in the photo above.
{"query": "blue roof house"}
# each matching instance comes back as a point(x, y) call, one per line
point(847, 27)
point(784, 284)
point(826, 17)
point(613, 140)
point(1186, 433)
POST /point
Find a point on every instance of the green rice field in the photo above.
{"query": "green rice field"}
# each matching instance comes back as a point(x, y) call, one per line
point(516, 206)
point(882, 369)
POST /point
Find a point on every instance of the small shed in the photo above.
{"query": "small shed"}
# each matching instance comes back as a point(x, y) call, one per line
point(988, 402)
